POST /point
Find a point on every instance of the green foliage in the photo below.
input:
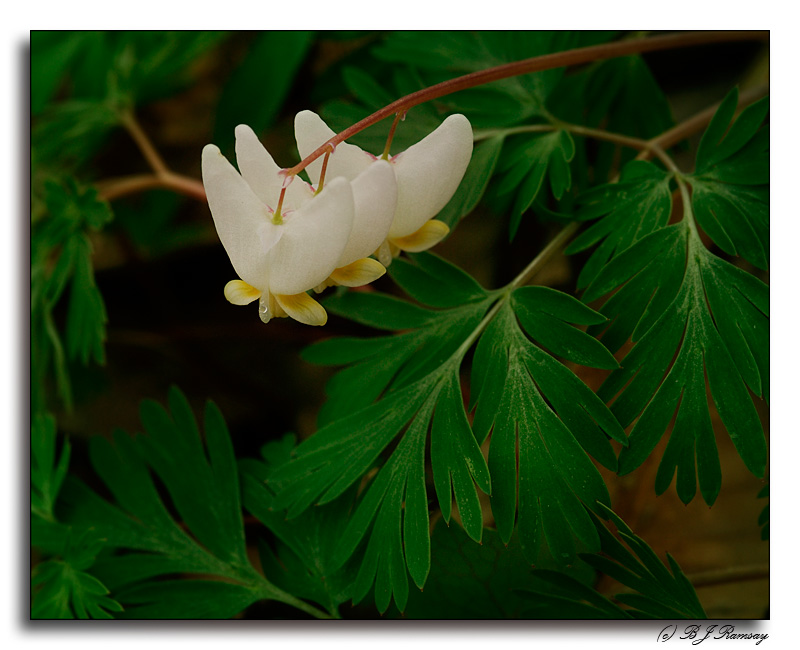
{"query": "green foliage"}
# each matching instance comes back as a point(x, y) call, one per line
point(527, 162)
point(370, 96)
point(414, 375)
point(658, 593)
point(442, 55)
point(640, 203)
point(471, 581)
point(422, 371)
point(85, 82)
point(397, 360)
point(694, 318)
point(730, 192)
point(47, 473)
point(621, 96)
point(476, 179)
point(207, 538)
point(256, 90)
point(62, 588)
point(304, 561)
point(538, 410)
point(61, 257)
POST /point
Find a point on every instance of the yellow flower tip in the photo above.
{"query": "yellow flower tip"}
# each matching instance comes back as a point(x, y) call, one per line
point(431, 233)
point(303, 308)
point(239, 292)
point(358, 273)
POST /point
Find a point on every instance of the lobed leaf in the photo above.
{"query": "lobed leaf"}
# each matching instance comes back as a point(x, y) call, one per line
point(525, 407)
point(730, 199)
point(639, 205)
point(203, 485)
point(680, 345)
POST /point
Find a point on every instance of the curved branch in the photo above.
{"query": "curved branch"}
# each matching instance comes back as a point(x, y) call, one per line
point(526, 66)
point(115, 188)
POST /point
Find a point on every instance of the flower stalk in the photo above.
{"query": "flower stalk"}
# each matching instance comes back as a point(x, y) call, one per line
point(527, 66)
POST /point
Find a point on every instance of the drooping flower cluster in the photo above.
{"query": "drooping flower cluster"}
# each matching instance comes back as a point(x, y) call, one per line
point(323, 234)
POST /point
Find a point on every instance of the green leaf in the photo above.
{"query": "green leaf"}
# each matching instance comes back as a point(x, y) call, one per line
point(476, 179)
point(640, 204)
point(365, 87)
point(661, 593)
point(433, 281)
point(185, 599)
point(559, 596)
point(730, 198)
point(62, 592)
point(443, 55)
point(543, 313)
point(526, 160)
point(86, 318)
point(202, 483)
point(62, 589)
point(47, 474)
point(257, 89)
point(398, 360)
point(61, 257)
point(393, 513)
point(414, 377)
point(471, 581)
point(304, 564)
point(143, 66)
point(622, 96)
point(707, 324)
point(514, 381)
point(52, 53)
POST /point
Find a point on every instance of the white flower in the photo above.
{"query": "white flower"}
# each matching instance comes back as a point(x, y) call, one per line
point(278, 255)
point(428, 174)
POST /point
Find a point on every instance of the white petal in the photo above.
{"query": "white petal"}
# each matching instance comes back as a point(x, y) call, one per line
point(243, 223)
point(313, 240)
point(347, 160)
point(375, 199)
point(261, 172)
point(429, 172)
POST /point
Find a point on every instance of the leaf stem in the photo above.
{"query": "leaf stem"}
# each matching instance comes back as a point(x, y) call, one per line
point(730, 574)
point(527, 66)
point(144, 143)
point(114, 188)
point(505, 292)
point(700, 121)
point(558, 242)
point(162, 176)
point(624, 140)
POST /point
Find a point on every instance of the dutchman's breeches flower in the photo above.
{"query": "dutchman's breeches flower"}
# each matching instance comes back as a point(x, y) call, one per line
point(280, 250)
point(428, 174)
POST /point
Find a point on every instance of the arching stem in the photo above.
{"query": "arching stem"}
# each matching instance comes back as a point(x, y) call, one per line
point(526, 66)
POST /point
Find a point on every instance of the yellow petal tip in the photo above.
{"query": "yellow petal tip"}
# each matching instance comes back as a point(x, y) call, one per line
point(303, 308)
point(239, 292)
point(358, 273)
point(431, 233)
